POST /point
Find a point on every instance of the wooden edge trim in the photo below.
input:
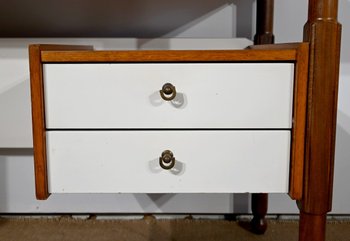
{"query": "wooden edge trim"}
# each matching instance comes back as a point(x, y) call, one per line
point(38, 123)
point(299, 122)
point(169, 55)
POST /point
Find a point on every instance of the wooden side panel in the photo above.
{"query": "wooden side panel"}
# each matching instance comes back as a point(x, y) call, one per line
point(299, 119)
point(38, 114)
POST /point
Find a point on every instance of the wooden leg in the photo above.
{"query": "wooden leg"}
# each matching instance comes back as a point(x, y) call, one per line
point(259, 209)
point(312, 227)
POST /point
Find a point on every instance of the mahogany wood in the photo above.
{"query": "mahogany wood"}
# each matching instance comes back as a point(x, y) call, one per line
point(38, 115)
point(312, 227)
point(322, 31)
point(299, 122)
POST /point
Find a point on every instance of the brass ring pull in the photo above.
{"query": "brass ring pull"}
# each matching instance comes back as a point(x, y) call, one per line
point(168, 92)
point(167, 160)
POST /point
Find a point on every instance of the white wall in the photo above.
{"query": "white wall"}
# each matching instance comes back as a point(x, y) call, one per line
point(16, 161)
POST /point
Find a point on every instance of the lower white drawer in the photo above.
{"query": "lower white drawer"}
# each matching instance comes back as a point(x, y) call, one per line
point(205, 161)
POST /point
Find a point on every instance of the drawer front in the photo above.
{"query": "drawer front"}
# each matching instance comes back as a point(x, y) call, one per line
point(205, 161)
point(213, 95)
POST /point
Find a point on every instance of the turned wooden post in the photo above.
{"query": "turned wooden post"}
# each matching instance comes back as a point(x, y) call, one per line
point(264, 35)
point(322, 31)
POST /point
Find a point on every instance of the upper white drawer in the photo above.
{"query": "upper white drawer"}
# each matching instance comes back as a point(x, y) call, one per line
point(209, 95)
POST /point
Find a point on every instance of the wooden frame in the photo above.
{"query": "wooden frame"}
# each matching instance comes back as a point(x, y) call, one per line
point(313, 187)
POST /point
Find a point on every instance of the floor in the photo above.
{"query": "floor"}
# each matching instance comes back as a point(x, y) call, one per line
point(66, 228)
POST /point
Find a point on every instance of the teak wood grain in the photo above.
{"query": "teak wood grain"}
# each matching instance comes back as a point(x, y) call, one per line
point(299, 122)
point(168, 56)
point(38, 116)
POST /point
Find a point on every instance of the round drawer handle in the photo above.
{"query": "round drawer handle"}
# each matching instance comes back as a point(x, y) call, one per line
point(168, 92)
point(167, 160)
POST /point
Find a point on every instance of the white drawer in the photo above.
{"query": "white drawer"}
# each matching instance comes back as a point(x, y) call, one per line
point(209, 95)
point(206, 161)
